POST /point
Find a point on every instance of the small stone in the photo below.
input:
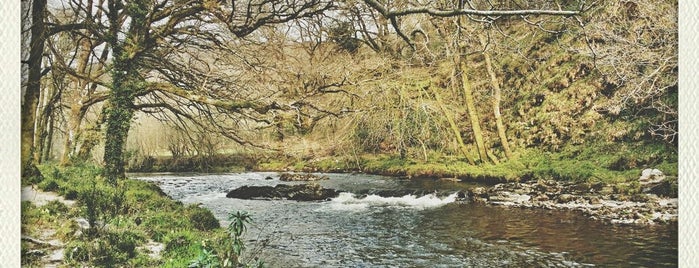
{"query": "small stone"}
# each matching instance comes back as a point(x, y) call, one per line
point(82, 223)
point(302, 177)
point(541, 197)
point(449, 179)
point(606, 190)
point(639, 198)
point(565, 198)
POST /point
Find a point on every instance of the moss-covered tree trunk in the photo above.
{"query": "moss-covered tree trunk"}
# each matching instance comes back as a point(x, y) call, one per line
point(126, 82)
point(31, 95)
point(497, 98)
point(454, 128)
point(119, 112)
point(119, 115)
point(472, 112)
point(76, 112)
point(43, 132)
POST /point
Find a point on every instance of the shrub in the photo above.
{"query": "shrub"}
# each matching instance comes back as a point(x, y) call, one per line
point(202, 218)
point(49, 185)
point(56, 208)
point(124, 241)
point(159, 224)
point(101, 201)
point(77, 251)
point(111, 248)
point(179, 244)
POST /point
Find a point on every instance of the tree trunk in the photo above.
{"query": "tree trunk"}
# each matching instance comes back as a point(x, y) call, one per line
point(90, 139)
point(77, 87)
point(40, 126)
point(119, 114)
point(31, 95)
point(44, 123)
point(48, 141)
point(472, 113)
point(75, 116)
point(454, 128)
point(126, 81)
point(496, 102)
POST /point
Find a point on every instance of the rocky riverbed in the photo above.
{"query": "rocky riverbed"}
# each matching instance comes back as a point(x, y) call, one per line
point(653, 203)
point(650, 200)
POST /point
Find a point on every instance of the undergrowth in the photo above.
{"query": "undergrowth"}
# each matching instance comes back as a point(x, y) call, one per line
point(122, 220)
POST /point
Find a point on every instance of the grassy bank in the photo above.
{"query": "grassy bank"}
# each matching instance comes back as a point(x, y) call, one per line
point(609, 163)
point(124, 220)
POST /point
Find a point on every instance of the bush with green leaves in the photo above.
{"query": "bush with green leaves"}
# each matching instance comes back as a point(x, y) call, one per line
point(180, 243)
point(110, 248)
point(102, 202)
point(49, 185)
point(202, 218)
point(226, 251)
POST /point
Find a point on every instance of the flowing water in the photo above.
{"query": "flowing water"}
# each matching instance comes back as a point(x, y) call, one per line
point(428, 229)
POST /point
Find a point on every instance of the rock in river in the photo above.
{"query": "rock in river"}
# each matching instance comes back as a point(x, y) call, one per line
point(301, 177)
point(300, 192)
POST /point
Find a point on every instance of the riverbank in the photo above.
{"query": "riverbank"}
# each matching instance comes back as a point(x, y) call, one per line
point(73, 218)
point(612, 176)
point(607, 163)
point(386, 221)
point(654, 203)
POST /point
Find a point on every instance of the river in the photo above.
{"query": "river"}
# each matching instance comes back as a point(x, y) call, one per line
point(359, 229)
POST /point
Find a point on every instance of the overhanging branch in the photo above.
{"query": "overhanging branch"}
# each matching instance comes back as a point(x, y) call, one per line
point(228, 105)
point(466, 11)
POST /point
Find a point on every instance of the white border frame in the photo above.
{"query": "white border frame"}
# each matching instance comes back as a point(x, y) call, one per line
point(9, 133)
point(688, 146)
point(10, 130)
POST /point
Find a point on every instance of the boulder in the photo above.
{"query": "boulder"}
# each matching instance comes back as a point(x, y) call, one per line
point(649, 176)
point(300, 192)
point(508, 197)
point(301, 177)
point(663, 188)
point(478, 192)
point(253, 192)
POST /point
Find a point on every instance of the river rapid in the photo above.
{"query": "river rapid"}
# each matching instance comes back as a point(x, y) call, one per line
point(428, 229)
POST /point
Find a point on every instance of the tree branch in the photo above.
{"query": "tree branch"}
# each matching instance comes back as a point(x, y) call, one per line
point(466, 11)
point(228, 105)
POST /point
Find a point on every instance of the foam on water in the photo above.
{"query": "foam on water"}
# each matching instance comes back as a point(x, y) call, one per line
point(348, 201)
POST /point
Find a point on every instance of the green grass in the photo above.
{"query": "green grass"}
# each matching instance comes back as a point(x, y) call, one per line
point(134, 211)
point(604, 162)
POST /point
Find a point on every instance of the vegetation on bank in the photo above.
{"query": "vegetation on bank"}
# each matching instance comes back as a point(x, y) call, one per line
point(123, 221)
point(609, 163)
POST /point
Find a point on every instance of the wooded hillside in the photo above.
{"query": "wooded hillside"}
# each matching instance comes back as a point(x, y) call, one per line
point(332, 85)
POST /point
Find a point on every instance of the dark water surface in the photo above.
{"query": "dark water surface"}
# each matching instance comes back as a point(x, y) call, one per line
point(365, 230)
